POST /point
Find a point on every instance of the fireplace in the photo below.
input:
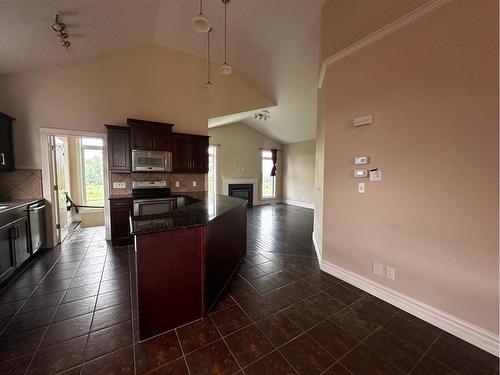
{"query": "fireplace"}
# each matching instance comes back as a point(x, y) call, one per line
point(243, 191)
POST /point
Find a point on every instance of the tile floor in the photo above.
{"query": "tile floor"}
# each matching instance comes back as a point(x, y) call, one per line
point(70, 312)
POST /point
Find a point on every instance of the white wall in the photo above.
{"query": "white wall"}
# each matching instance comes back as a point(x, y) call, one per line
point(299, 173)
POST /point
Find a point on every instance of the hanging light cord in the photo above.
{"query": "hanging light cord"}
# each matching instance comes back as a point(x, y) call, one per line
point(201, 7)
point(225, 32)
point(208, 53)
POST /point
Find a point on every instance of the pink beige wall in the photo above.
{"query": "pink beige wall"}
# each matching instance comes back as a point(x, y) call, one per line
point(433, 89)
point(149, 82)
point(299, 171)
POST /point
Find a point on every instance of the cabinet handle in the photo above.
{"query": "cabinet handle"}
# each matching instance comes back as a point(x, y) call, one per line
point(3, 158)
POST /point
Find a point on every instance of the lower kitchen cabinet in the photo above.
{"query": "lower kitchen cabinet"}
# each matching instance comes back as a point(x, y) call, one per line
point(120, 210)
point(21, 240)
point(14, 246)
point(7, 259)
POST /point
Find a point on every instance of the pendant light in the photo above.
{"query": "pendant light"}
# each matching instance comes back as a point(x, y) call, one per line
point(225, 68)
point(208, 84)
point(200, 23)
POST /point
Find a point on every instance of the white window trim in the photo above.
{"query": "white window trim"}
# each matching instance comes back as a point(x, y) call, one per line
point(216, 177)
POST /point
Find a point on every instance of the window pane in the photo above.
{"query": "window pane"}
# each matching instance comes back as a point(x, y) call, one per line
point(92, 142)
point(268, 188)
point(93, 177)
point(267, 154)
point(212, 170)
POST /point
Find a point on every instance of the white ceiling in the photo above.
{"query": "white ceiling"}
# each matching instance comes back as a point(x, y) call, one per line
point(274, 42)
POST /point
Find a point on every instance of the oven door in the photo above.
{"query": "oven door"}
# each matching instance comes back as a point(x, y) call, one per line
point(154, 206)
point(151, 161)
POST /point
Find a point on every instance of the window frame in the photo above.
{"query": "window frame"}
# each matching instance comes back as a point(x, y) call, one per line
point(216, 167)
point(262, 158)
point(82, 171)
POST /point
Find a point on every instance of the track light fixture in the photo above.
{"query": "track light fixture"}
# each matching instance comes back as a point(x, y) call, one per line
point(263, 116)
point(59, 27)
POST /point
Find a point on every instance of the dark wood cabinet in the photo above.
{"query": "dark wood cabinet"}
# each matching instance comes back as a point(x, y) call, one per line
point(118, 149)
point(21, 240)
point(6, 143)
point(150, 135)
point(7, 259)
point(14, 242)
point(189, 153)
point(120, 210)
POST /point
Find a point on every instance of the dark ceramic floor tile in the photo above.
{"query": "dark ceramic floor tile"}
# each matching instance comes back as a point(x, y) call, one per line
point(108, 340)
point(230, 320)
point(259, 307)
point(59, 357)
point(301, 270)
point(325, 304)
point(264, 284)
point(114, 284)
point(270, 267)
point(224, 301)
point(343, 294)
point(462, 356)
point(111, 316)
point(248, 345)
point(257, 259)
point(374, 308)
point(157, 352)
point(15, 294)
point(282, 297)
point(241, 290)
point(271, 364)
point(72, 371)
point(302, 289)
point(212, 359)
point(23, 343)
point(429, 365)
point(362, 360)
point(114, 298)
point(42, 302)
point(279, 329)
point(67, 329)
point(16, 366)
point(412, 329)
point(51, 286)
point(322, 280)
point(85, 280)
point(177, 367)
point(306, 356)
point(283, 277)
point(356, 324)
point(304, 315)
point(56, 275)
point(398, 352)
point(337, 369)
point(80, 292)
point(73, 309)
point(249, 271)
point(117, 363)
point(333, 338)
point(8, 310)
point(195, 335)
point(29, 321)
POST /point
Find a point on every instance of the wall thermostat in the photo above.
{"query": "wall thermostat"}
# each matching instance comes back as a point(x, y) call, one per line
point(358, 160)
point(360, 173)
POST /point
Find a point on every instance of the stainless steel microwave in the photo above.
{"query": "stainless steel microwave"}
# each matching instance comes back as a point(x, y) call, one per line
point(151, 161)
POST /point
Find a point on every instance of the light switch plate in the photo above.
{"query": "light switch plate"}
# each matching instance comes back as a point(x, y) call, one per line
point(360, 173)
point(119, 185)
point(390, 272)
point(177, 184)
point(360, 160)
point(361, 187)
point(378, 268)
point(194, 183)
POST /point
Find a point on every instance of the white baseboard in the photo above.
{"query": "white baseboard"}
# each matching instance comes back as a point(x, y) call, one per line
point(466, 331)
point(299, 204)
point(317, 248)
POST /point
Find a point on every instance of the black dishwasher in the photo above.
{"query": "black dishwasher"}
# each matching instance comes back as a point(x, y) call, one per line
point(37, 226)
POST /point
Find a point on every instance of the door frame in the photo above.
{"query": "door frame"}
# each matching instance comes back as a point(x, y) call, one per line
point(48, 177)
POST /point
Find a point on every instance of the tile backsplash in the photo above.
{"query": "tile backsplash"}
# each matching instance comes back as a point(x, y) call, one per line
point(185, 181)
point(21, 184)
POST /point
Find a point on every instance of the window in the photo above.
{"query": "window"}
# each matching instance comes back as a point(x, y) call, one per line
point(268, 181)
point(212, 170)
point(92, 172)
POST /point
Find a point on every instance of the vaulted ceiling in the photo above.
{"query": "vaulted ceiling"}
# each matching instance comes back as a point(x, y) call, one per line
point(274, 42)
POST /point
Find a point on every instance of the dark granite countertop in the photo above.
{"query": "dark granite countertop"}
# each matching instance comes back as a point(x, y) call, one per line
point(120, 196)
point(17, 203)
point(206, 209)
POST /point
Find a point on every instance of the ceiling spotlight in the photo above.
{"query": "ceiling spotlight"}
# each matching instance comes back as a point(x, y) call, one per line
point(58, 26)
point(263, 116)
point(225, 69)
point(200, 23)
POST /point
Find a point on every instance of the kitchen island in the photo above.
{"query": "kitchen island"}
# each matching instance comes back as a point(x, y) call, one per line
point(185, 258)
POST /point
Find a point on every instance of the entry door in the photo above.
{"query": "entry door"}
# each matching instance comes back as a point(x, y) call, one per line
point(58, 152)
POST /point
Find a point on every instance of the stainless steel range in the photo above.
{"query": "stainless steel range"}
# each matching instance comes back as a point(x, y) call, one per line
point(152, 197)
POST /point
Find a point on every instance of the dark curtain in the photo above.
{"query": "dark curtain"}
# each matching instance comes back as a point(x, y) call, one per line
point(274, 154)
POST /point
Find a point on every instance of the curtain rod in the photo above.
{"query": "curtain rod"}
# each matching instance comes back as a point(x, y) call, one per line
point(268, 149)
point(215, 144)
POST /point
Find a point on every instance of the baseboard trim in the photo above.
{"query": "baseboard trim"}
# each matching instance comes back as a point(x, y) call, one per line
point(471, 333)
point(299, 204)
point(316, 248)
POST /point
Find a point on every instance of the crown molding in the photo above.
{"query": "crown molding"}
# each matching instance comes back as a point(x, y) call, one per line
point(381, 33)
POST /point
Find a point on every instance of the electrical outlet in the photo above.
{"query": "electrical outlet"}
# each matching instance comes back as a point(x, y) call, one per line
point(378, 268)
point(119, 185)
point(361, 187)
point(194, 183)
point(390, 272)
point(177, 184)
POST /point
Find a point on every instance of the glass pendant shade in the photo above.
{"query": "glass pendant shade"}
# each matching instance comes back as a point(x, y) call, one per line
point(201, 24)
point(225, 69)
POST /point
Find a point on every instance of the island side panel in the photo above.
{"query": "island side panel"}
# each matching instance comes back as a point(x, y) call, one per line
point(170, 279)
point(226, 245)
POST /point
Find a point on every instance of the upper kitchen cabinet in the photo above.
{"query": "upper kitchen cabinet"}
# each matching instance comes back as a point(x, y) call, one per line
point(150, 135)
point(118, 148)
point(6, 143)
point(189, 153)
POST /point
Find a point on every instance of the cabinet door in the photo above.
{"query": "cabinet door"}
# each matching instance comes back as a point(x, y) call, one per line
point(141, 137)
point(6, 144)
point(21, 243)
point(119, 149)
point(181, 155)
point(162, 137)
point(7, 261)
point(120, 210)
point(200, 154)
